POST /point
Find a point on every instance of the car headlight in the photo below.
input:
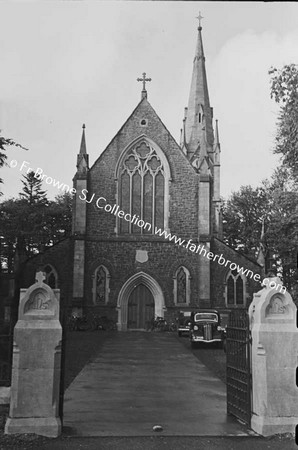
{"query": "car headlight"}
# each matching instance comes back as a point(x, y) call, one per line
point(196, 327)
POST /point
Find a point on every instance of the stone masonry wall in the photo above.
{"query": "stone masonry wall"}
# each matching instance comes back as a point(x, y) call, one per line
point(119, 258)
point(219, 273)
point(183, 220)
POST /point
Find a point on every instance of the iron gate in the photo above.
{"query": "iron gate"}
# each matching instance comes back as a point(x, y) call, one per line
point(238, 366)
point(6, 340)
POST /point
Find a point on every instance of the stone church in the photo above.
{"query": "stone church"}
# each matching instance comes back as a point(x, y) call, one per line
point(147, 220)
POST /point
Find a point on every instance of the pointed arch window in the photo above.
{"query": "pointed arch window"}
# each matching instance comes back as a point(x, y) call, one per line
point(235, 289)
point(201, 113)
point(143, 176)
point(182, 286)
point(101, 281)
point(51, 277)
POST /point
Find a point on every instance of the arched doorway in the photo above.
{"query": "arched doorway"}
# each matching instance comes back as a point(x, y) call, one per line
point(140, 308)
point(131, 314)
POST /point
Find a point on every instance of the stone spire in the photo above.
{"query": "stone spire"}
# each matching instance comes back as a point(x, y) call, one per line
point(199, 113)
point(83, 150)
point(83, 158)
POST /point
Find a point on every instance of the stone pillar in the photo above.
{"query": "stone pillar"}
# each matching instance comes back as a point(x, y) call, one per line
point(34, 403)
point(204, 275)
point(274, 360)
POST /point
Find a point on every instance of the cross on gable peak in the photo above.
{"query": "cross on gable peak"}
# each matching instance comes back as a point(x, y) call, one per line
point(144, 80)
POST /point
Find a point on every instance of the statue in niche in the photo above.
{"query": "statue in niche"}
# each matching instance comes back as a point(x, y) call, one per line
point(39, 301)
point(276, 306)
point(100, 285)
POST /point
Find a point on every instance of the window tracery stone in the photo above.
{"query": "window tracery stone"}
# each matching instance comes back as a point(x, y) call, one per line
point(101, 279)
point(235, 289)
point(51, 277)
point(142, 189)
point(182, 286)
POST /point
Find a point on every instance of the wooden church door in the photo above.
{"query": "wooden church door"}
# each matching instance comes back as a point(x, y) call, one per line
point(140, 308)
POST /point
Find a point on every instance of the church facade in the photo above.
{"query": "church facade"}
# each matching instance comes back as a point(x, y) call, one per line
point(147, 233)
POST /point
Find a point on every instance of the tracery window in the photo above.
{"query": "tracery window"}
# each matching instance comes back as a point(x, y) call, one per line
point(235, 290)
point(101, 285)
point(182, 286)
point(51, 277)
point(142, 186)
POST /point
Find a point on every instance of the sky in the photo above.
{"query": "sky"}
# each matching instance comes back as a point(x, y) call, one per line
point(68, 63)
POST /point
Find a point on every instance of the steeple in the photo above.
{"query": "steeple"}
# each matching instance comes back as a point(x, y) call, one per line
point(79, 184)
point(199, 113)
point(83, 157)
point(83, 142)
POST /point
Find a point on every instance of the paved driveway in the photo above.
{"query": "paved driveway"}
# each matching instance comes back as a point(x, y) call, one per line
point(138, 380)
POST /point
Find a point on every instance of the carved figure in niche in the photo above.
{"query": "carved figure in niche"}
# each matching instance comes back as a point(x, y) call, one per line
point(39, 301)
point(276, 306)
point(100, 285)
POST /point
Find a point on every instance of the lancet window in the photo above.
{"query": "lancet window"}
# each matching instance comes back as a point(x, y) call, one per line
point(235, 289)
point(51, 277)
point(182, 286)
point(101, 285)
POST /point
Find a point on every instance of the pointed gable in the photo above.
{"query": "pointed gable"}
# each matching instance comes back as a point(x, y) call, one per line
point(143, 121)
point(117, 177)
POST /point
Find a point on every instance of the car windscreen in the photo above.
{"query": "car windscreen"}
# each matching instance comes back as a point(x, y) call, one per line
point(206, 316)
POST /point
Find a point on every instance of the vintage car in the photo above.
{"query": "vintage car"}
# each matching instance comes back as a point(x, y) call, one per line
point(183, 322)
point(206, 328)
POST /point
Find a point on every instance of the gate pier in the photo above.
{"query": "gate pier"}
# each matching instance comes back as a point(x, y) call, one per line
point(34, 404)
point(274, 354)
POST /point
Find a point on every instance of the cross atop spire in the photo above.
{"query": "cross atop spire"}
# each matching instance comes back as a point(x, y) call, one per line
point(144, 80)
point(200, 17)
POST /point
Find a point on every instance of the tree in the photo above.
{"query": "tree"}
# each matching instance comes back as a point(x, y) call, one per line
point(32, 191)
point(57, 220)
point(277, 205)
point(284, 90)
point(5, 142)
point(242, 219)
point(282, 232)
point(28, 229)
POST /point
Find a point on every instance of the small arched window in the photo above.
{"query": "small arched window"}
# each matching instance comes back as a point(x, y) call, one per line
point(182, 286)
point(235, 289)
point(51, 276)
point(101, 279)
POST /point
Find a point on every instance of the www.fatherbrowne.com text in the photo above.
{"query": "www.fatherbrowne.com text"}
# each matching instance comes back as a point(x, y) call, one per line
point(101, 203)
